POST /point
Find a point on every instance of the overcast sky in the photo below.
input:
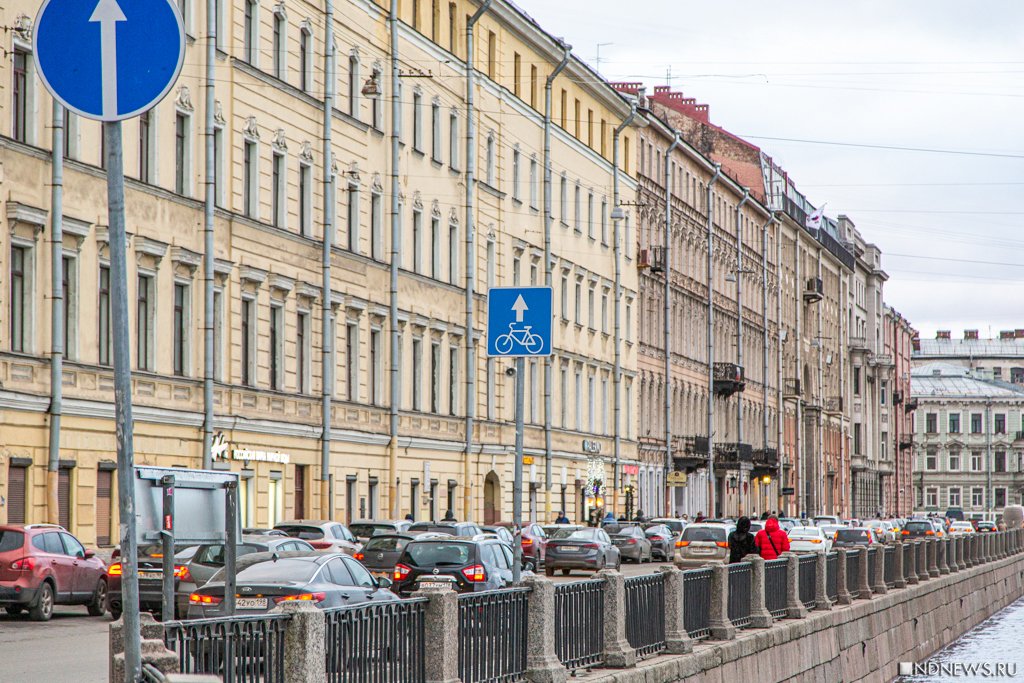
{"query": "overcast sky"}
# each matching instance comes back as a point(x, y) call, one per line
point(928, 74)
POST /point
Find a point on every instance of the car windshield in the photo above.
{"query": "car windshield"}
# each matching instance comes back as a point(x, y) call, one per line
point(435, 528)
point(705, 533)
point(309, 533)
point(919, 526)
point(385, 543)
point(628, 531)
point(804, 533)
point(213, 555)
point(370, 529)
point(852, 535)
point(427, 554)
point(272, 571)
point(568, 532)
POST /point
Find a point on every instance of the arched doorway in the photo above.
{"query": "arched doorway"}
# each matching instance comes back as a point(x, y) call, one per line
point(492, 499)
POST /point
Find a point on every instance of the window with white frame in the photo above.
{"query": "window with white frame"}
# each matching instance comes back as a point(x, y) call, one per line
point(352, 358)
point(305, 199)
point(145, 309)
point(453, 377)
point(579, 301)
point(931, 497)
point(534, 183)
point(629, 408)
point(953, 496)
point(353, 217)
point(515, 174)
point(954, 461)
point(604, 311)
point(563, 200)
point(218, 334)
point(435, 126)
point(182, 327)
point(977, 497)
point(276, 345)
point(435, 247)
point(218, 165)
point(590, 215)
point(23, 95)
point(604, 221)
point(975, 461)
point(375, 384)
point(417, 120)
point(103, 319)
point(251, 178)
point(278, 191)
point(305, 59)
point(591, 318)
point(489, 165)
point(999, 497)
point(435, 377)
point(931, 460)
point(491, 265)
point(248, 339)
point(564, 298)
point(604, 405)
point(376, 225)
point(531, 387)
point(629, 320)
point(578, 215)
point(250, 29)
point(417, 240)
point(148, 146)
point(69, 295)
point(417, 374)
point(591, 404)
point(22, 297)
point(355, 88)
point(563, 394)
point(303, 351)
point(579, 399)
point(453, 253)
point(280, 41)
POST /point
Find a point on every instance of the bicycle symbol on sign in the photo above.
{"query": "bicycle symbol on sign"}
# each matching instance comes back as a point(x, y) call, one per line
point(531, 342)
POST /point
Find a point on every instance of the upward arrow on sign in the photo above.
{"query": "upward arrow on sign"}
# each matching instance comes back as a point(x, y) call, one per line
point(108, 13)
point(520, 307)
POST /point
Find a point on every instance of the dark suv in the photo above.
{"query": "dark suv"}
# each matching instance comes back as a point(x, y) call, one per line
point(477, 564)
point(918, 528)
point(150, 566)
point(42, 565)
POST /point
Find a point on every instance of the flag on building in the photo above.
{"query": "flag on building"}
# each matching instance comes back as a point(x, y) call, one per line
point(814, 220)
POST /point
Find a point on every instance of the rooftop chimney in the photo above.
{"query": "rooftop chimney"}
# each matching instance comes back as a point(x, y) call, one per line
point(970, 334)
point(942, 334)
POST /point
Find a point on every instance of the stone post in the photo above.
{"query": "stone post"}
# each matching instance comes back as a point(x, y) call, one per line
point(677, 640)
point(441, 631)
point(921, 560)
point(983, 552)
point(760, 617)
point(617, 652)
point(989, 547)
point(152, 646)
point(912, 569)
point(821, 601)
point(967, 561)
point(1001, 544)
point(932, 549)
point(844, 597)
point(944, 556)
point(878, 586)
point(305, 638)
point(542, 665)
point(794, 608)
point(898, 559)
point(958, 555)
point(863, 578)
point(721, 627)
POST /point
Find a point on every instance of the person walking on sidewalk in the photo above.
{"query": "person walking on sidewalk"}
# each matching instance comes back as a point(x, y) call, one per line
point(741, 541)
point(771, 541)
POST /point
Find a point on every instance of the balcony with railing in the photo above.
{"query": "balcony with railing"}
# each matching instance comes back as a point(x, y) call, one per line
point(814, 290)
point(731, 455)
point(765, 459)
point(728, 378)
point(859, 344)
point(690, 452)
point(910, 406)
point(906, 442)
point(791, 388)
point(834, 404)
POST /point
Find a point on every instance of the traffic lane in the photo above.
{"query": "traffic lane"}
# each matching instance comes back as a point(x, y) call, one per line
point(626, 569)
point(70, 648)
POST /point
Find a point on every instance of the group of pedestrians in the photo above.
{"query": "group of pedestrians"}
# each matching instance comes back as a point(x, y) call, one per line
point(770, 542)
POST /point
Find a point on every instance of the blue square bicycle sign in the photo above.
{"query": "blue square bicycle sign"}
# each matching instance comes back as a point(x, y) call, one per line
point(519, 321)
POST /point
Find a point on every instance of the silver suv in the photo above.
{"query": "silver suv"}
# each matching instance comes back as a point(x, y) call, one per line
point(700, 544)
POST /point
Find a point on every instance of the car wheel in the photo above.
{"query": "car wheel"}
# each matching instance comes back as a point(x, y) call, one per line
point(99, 599)
point(14, 610)
point(550, 571)
point(42, 609)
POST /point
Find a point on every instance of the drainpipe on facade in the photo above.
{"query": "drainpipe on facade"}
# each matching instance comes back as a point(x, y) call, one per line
point(711, 341)
point(617, 217)
point(567, 50)
point(818, 463)
point(739, 338)
point(396, 255)
point(801, 484)
point(667, 299)
point(988, 456)
point(764, 338)
point(843, 448)
point(781, 416)
point(57, 304)
point(209, 256)
point(327, 315)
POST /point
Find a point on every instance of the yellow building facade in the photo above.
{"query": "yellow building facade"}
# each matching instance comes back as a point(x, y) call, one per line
point(269, 169)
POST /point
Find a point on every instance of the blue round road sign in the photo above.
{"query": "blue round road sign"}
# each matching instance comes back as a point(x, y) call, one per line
point(109, 59)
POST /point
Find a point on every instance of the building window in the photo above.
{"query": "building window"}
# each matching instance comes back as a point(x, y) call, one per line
point(954, 461)
point(1000, 423)
point(305, 60)
point(103, 322)
point(305, 200)
point(218, 334)
point(278, 191)
point(181, 328)
point(144, 322)
point(856, 380)
point(489, 165)
point(453, 253)
point(977, 497)
point(884, 389)
point(435, 377)
point(1000, 461)
point(490, 388)
point(279, 47)
point(303, 351)
point(534, 184)
point(435, 126)
point(453, 140)
point(975, 461)
point(629, 409)
point(453, 379)
point(250, 179)
point(248, 333)
point(352, 356)
point(515, 175)
point(218, 166)
point(563, 394)
point(590, 215)
point(931, 497)
point(376, 111)
point(931, 460)
point(604, 312)
point(953, 494)
point(417, 121)
point(145, 147)
point(975, 423)
point(604, 221)
point(564, 298)
point(376, 226)
point(417, 241)
point(591, 404)
point(354, 86)
point(591, 321)
point(856, 438)
point(20, 91)
point(999, 497)
point(492, 54)
point(21, 298)
point(534, 82)
point(931, 422)
point(435, 247)
point(276, 346)
point(578, 215)
point(353, 218)
point(251, 27)
point(579, 303)
point(954, 423)
point(417, 374)
point(563, 198)
point(376, 367)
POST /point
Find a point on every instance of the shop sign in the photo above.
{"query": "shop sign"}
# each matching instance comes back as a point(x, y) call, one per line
point(260, 456)
point(527, 459)
point(631, 469)
point(788, 491)
point(590, 446)
point(676, 478)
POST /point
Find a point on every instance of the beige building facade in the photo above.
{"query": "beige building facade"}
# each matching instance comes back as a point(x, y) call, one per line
point(269, 327)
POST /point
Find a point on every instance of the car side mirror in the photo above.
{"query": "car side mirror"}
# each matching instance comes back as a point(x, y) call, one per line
point(88, 554)
point(384, 582)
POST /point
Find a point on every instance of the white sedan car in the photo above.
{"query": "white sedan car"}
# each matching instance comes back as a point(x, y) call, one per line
point(809, 539)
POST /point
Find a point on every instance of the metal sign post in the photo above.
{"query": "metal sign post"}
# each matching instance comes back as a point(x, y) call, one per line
point(109, 63)
point(167, 538)
point(230, 544)
point(518, 325)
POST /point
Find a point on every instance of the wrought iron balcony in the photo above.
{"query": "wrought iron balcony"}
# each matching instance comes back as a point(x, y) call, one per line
point(910, 406)
point(814, 291)
point(728, 378)
point(695, 445)
point(790, 388)
point(766, 458)
point(906, 442)
point(731, 455)
point(834, 404)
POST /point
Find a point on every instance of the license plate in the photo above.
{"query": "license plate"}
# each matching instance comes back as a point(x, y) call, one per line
point(434, 584)
point(250, 603)
point(382, 575)
point(151, 575)
point(569, 549)
point(703, 551)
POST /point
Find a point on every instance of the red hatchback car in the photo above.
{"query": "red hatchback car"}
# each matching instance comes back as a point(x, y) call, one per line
point(42, 565)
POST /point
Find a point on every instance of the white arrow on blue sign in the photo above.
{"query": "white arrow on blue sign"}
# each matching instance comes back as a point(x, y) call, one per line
point(519, 321)
point(109, 59)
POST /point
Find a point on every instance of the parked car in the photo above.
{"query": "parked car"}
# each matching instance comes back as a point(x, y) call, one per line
point(854, 537)
point(550, 530)
point(265, 581)
point(364, 529)
point(676, 525)
point(961, 528)
point(883, 530)
point(534, 542)
point(809, 539)
point(918, 528)
point(42, 565)
point(262, 531)
point(150, 566)
point(476, 564)
point(986, 526)
point(381, 553)
point(825, 519)
point(209, 559)
point(468, 529)
point(703, 543)
point(663, 540)
point(582, 548)
point(787, 523)
point(831, 529)
point(955, 513)
point(322, 534)
point(633, 544)
point(500, 532)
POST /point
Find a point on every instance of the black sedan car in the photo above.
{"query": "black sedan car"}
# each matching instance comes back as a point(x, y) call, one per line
point(265, 581)
point(150, 567)
point(633, 544)
point(476, 564)
point(663, 541)
point(584, 548)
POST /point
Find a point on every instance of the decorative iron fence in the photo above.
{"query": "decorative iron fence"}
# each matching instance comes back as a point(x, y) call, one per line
point(889, 570)
point(776, 574)
point(853, 571)
point(492, 636)
point(376, 643)
point(872, 564)
point(832, 576)
point(740, 576)
point(697, 602)
point(908, 557)
point(238, 649)
point(579, 623)
point(645, 613)
point(807, 580)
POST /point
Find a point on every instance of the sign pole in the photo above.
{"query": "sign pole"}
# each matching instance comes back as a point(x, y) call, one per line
point(167, 537)
point(517, 492)
point(230, 545)
point(123, 400)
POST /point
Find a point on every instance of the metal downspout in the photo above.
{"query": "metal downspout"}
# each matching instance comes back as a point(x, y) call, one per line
point(711, 340)
point(209, 358)
point(617, 216)
point(781, 407)
point(764, 340)
point(327, 314)
point(396, 256)
point(57, 304)
point(818, 462)
point(739, 334)
point(798, 432)
point(567, 49)
point(667, 301)
point(471, 359)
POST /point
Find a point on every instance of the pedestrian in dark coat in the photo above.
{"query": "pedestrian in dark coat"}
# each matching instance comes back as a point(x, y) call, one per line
point(741, 541)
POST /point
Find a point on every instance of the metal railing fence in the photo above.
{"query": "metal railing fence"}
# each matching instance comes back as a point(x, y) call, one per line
point(376, 643)
point(697, 602)
point(238, 649)
point(740, 579)
point(579, 623)
point(645, 613)
point(776, 574)
point(492, 636)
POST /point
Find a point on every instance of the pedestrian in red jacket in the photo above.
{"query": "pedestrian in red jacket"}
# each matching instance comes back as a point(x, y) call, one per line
point(771, 541)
